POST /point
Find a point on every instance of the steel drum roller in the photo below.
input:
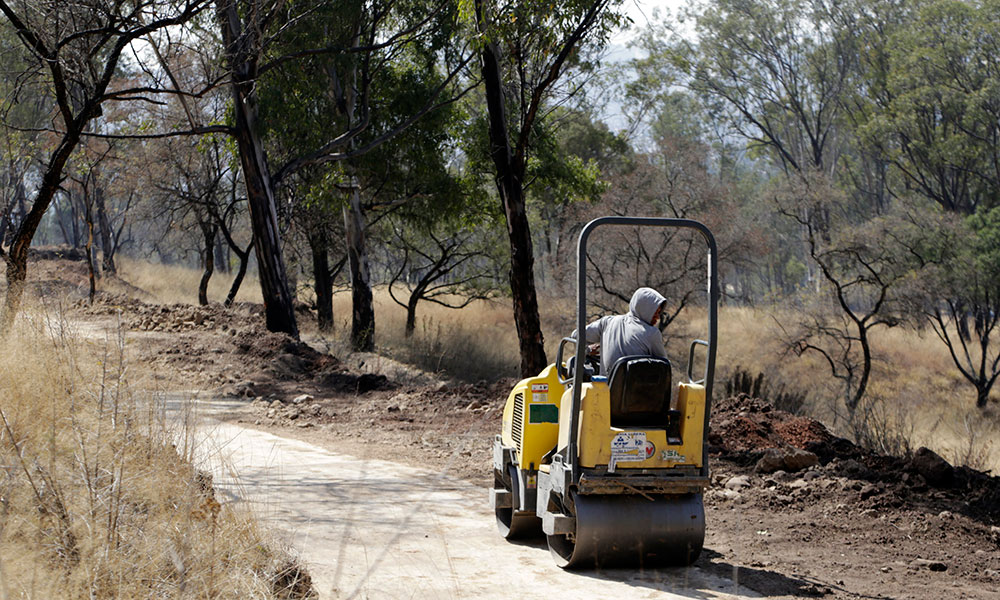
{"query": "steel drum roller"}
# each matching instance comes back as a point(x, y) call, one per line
point(628, 530)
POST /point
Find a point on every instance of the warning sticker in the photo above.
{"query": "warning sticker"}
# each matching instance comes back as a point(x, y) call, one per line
point(539, 392)
point(629, 446)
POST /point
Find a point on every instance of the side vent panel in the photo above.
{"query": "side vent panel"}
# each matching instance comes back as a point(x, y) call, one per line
point(517, 425)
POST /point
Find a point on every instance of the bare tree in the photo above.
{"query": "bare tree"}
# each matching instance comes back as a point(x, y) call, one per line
point(79, 44)
point(862, 265)
point(447, 269)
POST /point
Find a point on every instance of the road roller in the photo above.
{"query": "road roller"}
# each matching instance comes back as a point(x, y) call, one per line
point(610, 467)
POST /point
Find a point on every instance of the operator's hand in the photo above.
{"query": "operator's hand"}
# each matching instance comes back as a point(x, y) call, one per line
point(594, 349)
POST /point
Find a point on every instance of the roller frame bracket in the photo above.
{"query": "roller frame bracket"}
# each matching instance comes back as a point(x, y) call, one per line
point(502, 455)
point(500, 498)
point(557, 524)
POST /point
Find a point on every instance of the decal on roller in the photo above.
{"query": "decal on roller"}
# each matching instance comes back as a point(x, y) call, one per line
point(539, 392)
point(672, 456)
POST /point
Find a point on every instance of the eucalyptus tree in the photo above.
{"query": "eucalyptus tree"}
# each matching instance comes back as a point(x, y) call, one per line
point(312, 72)
point(528, 52)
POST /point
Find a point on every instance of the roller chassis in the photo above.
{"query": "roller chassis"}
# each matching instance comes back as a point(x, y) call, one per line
point(594, 510)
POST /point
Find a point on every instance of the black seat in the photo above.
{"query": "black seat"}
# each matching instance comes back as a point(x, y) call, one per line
point(640, 393)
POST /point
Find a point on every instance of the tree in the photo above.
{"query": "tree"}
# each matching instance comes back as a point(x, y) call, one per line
point(957, 290)
point(526, 49)
point(776, 71)
point(79, 45)
point(343, 47)
point(930, 108)
point(861, 263)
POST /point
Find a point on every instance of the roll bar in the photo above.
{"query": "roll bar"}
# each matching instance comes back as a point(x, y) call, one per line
point(581, 321)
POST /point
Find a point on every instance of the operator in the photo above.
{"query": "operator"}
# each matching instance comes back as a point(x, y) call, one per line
point(634, 333)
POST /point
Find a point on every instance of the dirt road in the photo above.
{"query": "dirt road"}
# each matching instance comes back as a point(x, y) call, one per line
point(378, 529)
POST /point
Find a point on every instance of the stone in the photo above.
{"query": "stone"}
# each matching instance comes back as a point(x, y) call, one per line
point(302, 398)
point(787, 459)
point(797, 460)
point(930, 565)
point(867, 491)
point(738, 482)
point(730, 494)
point(934, 469)
point(771, 461)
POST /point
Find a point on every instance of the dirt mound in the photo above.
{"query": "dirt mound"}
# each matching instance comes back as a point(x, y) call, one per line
point(144, 316)
point(744, 431)
point(745, 424)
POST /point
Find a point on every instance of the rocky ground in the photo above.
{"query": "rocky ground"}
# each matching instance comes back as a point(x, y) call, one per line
point(793, 510)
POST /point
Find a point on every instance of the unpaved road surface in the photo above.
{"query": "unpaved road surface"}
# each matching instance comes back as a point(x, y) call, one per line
point(369, 528)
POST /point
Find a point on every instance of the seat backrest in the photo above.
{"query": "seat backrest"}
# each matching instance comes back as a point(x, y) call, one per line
point(640, 391)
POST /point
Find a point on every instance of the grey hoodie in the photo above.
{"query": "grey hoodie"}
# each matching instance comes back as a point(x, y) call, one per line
point(628, 334)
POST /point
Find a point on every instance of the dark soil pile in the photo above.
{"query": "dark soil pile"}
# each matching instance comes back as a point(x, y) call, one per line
point(743, 429)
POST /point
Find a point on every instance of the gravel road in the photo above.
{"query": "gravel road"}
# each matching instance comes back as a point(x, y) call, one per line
point(380, 529)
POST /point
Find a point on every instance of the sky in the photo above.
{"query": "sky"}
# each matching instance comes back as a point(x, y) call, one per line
point(642, 13)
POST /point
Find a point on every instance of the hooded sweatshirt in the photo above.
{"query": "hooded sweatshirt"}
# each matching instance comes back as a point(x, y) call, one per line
point(631, 333)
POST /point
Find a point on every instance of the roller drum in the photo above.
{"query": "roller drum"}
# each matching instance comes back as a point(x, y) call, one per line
point(632, 531)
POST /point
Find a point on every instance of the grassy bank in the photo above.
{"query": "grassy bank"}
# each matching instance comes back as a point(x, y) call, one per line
point(95, 499)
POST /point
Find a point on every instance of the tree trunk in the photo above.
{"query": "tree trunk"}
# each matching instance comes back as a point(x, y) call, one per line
point(411, 315)
point(240, 54)
point(222, 255)
point(510, 181)
point(17, 258)
point(240, 274)
point(982, 395)
point(323, 282)
point(91, 254)
point(107, 246)
point(363, 312)
point(207, 261)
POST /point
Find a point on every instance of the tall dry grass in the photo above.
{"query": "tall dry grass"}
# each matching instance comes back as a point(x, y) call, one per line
point(170, 284)
point(916, 396)
point(95, 501)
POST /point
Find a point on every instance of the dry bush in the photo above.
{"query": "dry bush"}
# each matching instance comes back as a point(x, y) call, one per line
point(169, 284)
point(95, 502)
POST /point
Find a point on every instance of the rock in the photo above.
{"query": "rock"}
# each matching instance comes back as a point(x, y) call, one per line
point(853, 468)
point(788, 459)
point(992, 573)
point(932, 467)
point(945, 514)
point(730, 494)
point(772, 461)
point(930, 565)
point(812, 475)
point(738, 482)
point(867, 491)
point(797, 460)
point(302, 398)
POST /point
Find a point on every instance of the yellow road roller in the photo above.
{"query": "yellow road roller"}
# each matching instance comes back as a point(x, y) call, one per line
point(610, 467)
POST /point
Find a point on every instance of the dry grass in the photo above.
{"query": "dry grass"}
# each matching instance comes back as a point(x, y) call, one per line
point(917, 398)
point(916, 395)
point(95, 502)
point(169, 284)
